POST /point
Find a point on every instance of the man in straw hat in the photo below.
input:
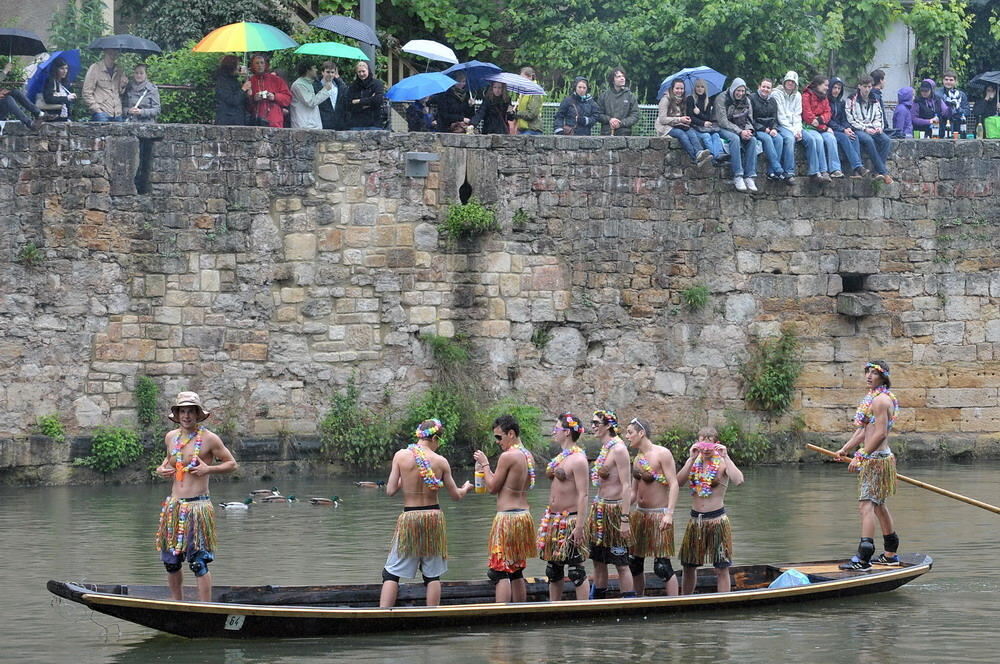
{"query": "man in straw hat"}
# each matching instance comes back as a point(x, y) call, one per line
point(187, 520)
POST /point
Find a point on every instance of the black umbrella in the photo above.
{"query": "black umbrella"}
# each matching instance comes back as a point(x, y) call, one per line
point(20, 42)
point(986, 77)
point(125, 43)
point(347, 26)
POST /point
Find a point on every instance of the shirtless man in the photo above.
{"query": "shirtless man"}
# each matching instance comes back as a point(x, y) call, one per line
point(877, 467)
point(561, 537)
point(512, 537)
point(708, 535)
point(420, 541)
point(187, 519)
point(608, 525)
point(654, 485)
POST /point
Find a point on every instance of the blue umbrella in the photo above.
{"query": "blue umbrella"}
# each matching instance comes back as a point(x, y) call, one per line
point(419, 86)
point(475, 71)
point(715, 80)
point(37, 80)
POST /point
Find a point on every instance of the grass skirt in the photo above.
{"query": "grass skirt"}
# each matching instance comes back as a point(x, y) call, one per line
point(186, 526)
point(512, 540)
point(421, 534)
point(648, 539)
point(604, 525)
point(554, 537)
point(707, 541)
point(877, 478)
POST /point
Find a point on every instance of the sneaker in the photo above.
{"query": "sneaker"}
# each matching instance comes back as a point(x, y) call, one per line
point(725, 157)
point(860, 172)
point(854, 564)
point(739, 183)
point(37, 123)
point(703, 157)
point(824, 177)
point(789, 179)
point(888, 561)
point(886, 178)
point(837, 174)
point(775, 177)
point(751, 185)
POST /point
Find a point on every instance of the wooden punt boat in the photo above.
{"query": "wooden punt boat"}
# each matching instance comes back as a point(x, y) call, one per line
point(242, 612)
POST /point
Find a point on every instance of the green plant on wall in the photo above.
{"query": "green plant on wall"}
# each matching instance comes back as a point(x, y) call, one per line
point(770, 372)
point(30, 255)
point(51, 426)
point(467, 221)
point(113, 448)
point(696, 297)
point(147, 394)
point(355, 434)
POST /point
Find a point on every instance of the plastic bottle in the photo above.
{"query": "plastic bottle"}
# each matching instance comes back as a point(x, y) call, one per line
point(962, 129)
point(935, 126)
point(979, 130)
point(480, 481)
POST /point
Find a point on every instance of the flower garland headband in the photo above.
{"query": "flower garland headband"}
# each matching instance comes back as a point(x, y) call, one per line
point(702, 473)
point(572, 423)
point(878, 368)
point(424, 466)
point(608, 417)
point(434, 428)
point(864, 414)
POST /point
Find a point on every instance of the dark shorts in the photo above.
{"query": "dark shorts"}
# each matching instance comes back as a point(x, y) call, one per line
point(615, 555)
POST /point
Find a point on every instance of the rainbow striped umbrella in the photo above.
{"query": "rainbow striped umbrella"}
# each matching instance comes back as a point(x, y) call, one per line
point(244, 37)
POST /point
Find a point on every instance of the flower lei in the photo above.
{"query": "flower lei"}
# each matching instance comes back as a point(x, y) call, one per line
point(178, 453)
point(424, 466)
point(864, 414)
point(702, 473)
point(531, 463)
point(434, 429)
point(559, 458)
point(647, 467)
point(602, 457)
point(550, 520)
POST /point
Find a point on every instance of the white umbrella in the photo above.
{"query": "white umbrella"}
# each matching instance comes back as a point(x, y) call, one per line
point(431, 50)
point(517, 83)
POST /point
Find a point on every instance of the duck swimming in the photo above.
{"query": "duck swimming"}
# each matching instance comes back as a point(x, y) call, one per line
point(369, 485)
point(334, 501)
point(261, 493)
point(234, 505)
point(278, 498)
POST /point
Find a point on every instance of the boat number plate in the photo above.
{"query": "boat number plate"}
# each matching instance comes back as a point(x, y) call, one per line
point(235, 623)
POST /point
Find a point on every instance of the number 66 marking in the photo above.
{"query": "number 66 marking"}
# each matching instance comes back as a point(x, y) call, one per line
point(235, 622)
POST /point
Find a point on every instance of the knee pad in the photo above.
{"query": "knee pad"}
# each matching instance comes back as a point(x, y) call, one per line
point(866, 549)
point(172, 568)
point(636, 565)
point(662, 568)
point(577, 574)
point(496, 576)
point(386, 576)
point(199, 563)
point(430, 579)
point(555, 572)
point(891, 542)
point(519, 574)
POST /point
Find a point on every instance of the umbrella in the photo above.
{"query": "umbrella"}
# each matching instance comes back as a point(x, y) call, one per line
point(20, 42)
point(517, 83)
point(126, 44)
point(986, 77)
point(244, 37)
point(347, 26)
point(332, 50)
point(431, 50)
point(714, 79)
point(419, 86)
point(37, 79)
point(475, 71)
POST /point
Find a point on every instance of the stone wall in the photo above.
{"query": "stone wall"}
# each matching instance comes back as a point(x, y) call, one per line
point(263, 267)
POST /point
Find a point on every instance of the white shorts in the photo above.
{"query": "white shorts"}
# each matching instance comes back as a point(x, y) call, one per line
point(407, 568)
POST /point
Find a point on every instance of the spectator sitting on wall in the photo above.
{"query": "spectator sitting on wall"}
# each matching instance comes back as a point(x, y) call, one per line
point(529, 108)
point(305, 102)
point(700, 107)
point(577, 113)
point(957, 102)
point(780, 152)
point(878, 84)
point(364, 100)
point(672, 121)
point(735, 118)
point(815, 116)
point(419, 116)
point(454, 106)
point(989, 105)
point(865, 116)
point(495, 112)
point(790, 124)
point(927, 107)
point(267, 94)
point(141, 99)
point(103, 87)
point(55, 99)
point(617, 108)
point(230, 101)
point(902, 117)
point(331, 111)
point(846, 137)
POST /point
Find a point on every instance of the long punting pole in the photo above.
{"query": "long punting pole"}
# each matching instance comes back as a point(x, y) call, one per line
point(922, 485)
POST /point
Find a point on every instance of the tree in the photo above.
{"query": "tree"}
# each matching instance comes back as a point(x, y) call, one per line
point(171, 23)
point(73, 27)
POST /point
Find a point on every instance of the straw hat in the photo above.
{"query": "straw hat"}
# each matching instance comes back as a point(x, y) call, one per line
point(188, 399)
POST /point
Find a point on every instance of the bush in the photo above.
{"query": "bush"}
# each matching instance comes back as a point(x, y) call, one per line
point(678, 441)
point(451, 406)
point(147, 395)
point(185, 67)
point(746, 445)
point(469, 220)
point(51, 426)
point(113, 448)
point(769, 374)
point(357, 435)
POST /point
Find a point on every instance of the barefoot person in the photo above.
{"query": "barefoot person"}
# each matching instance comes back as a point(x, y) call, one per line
point(187, 519)
point(608, 525)
point(654, 485)
point(877, 467)
point(420, 541)
point(561, 537)
point(708, 535)
point(512, 537)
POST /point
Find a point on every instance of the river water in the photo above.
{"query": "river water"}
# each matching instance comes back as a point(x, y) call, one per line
point(105, 534)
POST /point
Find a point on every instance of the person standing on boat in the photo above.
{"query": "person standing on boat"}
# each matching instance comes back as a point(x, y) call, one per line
point(562, 540)
point(877, 467)
point(420, 541)
point(512, 537)
point(608, 525)
point(187, 519)
point(708, 535)
point(654, 485)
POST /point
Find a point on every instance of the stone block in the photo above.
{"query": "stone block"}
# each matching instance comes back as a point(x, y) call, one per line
point(210, 280)
point(670, 383)
point(946, 397)
point(422, 315)
point(300, 246)
point(952, 333)
point(959, 307)
point(858, 261)
point(859, 304)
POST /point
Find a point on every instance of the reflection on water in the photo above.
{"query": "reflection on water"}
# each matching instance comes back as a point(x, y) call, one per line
point(780, 514)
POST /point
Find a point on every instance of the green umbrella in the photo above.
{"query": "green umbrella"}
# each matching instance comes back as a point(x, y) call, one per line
point(332, 50)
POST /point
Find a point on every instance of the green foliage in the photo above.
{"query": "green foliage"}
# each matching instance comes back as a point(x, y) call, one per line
point(51, 426)
point(541, 335)
point(185, 67)
point(984, 38)
point(355, 434)
point(75, 27)
point(769, 374)
point(446, 403)
point(468, 220)
point(520, 218)
point(30, 255)
point(851, 30)
point(447, 350)
point(696, 297)
point(147, 394)
point(745, 444)
point(171, 23)
point(527, 416)
point(934, 22)
point(678, 440)
point(113, 448)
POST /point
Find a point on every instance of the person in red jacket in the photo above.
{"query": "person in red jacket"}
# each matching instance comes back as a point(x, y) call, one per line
point(816, 117)
point(267, 94)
